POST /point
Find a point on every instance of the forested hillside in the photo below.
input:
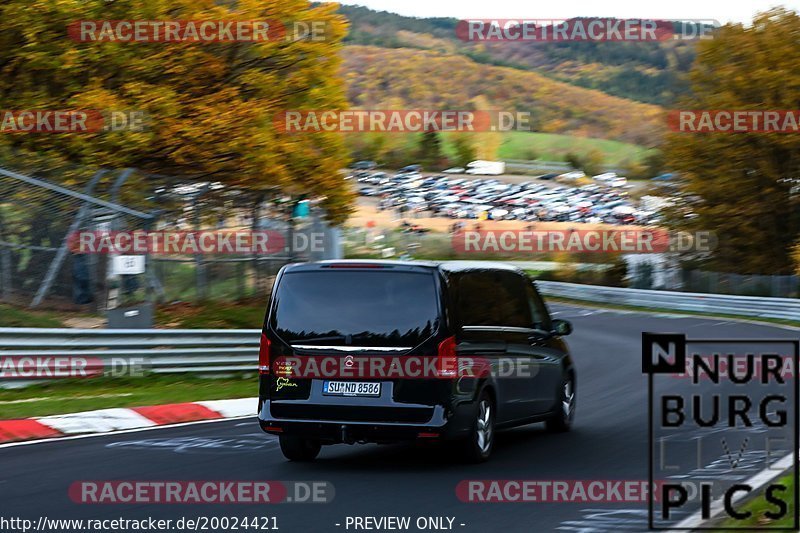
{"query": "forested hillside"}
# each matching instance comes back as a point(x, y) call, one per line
point(395, 79)
point(645, 71)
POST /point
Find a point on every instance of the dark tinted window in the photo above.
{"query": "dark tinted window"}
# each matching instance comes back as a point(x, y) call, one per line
point(541, 317)
point(491, 298)
point(379, 308)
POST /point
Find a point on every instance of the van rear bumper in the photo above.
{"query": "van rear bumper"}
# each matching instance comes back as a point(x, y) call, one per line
point(366, 424)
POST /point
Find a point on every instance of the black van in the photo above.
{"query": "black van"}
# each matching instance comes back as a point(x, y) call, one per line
point(387, 351)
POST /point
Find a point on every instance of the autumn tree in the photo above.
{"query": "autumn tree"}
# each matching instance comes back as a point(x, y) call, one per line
point(463, 148)
point(742, 182)
point(429, 152)
point(487, 143)
point(593, 162)
point(796, 255)
point(209, 106)
point(574, 160)
point(645, 168)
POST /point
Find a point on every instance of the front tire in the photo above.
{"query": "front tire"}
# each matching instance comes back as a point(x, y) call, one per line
point(564, 411)
point(477, 447)
point(299, 449)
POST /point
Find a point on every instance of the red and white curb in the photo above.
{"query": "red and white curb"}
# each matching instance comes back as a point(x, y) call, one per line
point(121, 419)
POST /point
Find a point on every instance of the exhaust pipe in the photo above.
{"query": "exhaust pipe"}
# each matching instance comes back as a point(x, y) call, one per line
point(345, 436)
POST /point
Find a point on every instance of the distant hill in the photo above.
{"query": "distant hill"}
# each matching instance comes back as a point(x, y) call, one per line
point(396, 78)
point(649, 72)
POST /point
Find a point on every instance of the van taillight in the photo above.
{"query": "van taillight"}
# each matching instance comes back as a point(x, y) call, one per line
point(447, 361)
point(263, 355)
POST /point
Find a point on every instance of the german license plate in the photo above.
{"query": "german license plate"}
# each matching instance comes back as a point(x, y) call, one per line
point(351, 388)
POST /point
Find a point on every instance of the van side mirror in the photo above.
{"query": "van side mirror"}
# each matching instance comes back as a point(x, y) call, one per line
point(561, 327)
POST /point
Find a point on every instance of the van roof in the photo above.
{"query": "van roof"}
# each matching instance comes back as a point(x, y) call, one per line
point(446, 266)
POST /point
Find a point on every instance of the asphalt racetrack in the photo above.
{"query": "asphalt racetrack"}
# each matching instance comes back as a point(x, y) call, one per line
point(609, 441)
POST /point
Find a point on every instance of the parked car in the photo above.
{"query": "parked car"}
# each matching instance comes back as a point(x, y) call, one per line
point(377, 178)
point(456, 197)
point(572, 176)
point(456, 312)
point(364, 165)
point(664, 177)
point(606, 177)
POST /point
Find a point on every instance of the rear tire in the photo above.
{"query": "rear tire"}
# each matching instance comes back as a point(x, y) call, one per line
point(299, 449)
point(564, 410)
point(477, 447)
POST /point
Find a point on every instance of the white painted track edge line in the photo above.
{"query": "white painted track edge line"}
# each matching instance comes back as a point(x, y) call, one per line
point(756, 481)
point(134, 430)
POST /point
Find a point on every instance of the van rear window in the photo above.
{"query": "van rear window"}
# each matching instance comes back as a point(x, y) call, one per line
point(339, 308)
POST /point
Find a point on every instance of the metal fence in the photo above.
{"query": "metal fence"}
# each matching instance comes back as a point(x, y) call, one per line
point(37, 216)
point(130, 353)
point(643, 271)
point(746, 285)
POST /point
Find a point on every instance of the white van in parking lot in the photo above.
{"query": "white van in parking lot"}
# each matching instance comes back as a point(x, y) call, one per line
point(486, 168)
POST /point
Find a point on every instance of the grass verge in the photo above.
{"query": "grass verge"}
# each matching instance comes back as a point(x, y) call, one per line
point(84, 395)
point(526, 145)
point(555, 147)
point(14, 317)
point(244, 314)
point(759, 506)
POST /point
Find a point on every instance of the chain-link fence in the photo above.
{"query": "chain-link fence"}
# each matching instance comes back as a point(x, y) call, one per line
point(37, 216)
point(644, 271)
point(740, 284)
point(50, 227)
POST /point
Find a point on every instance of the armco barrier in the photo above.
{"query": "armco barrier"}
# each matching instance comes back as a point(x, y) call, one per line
point(221, 351)
point(161, 351)
point(719, 304)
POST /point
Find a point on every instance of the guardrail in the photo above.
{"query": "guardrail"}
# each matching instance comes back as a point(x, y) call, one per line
point(548, 166)
point(720, 304)
point(158, 351)
point(167, 351)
